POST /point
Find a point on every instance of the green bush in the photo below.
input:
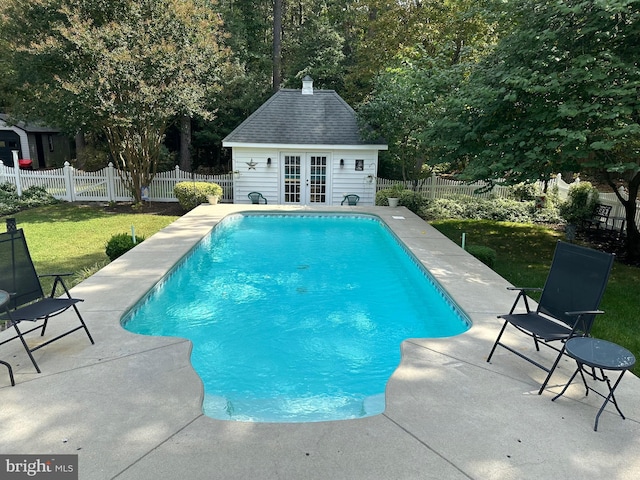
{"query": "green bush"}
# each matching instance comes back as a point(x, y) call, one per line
point(121, 243)
point(524, 191)
point(414, 201)
point(580, 203)
point(550, 214)
point(486, 255)
point(192, 194)
point(464, 207)
point(385, 193)
point(34, 196)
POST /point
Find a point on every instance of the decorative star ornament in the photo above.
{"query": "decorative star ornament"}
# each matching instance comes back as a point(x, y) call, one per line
point(252, 165)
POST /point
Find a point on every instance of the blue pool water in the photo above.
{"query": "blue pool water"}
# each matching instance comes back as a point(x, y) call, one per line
point(296, 318)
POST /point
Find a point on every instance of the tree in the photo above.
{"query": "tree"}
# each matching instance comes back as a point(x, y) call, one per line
point(559, 93)
point(315, 48)
point(401, 107)
point(125, 68)
point(277, 45)
point(409, 94)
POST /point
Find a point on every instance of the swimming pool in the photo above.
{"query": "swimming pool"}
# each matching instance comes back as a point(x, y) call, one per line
point(296, 317)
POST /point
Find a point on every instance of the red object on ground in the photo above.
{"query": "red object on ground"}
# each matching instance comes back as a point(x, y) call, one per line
point(25, 164)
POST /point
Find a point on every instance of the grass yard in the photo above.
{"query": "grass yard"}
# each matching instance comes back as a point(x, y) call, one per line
point(72, 238)
point(524, 256)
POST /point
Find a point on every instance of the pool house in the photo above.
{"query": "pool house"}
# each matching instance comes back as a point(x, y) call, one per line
point(303, 147)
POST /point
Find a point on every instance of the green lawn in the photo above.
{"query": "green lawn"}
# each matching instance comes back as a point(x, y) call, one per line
point(524, 256)
point(72, 238)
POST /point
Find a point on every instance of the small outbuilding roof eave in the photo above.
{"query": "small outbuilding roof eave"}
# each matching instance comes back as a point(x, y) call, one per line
point(26, 127)
point(306, 147)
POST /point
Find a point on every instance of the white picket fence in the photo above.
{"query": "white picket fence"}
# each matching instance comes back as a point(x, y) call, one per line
point(106, 185)
point(437, 187)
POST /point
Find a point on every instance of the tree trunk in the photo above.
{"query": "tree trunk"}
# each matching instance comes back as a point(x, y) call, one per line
point(277, 44)
point(136, 151)
point(80, 150)
point(632, 241)
point(633, 235)
point(185, 144)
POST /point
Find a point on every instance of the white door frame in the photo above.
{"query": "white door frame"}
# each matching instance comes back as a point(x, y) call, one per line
point(305, 178)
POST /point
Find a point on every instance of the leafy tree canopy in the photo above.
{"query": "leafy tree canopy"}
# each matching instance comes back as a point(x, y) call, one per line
point(560, 92)
point(410, 95)
point(122, 67)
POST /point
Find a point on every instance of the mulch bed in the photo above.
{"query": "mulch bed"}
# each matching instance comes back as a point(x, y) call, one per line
point(606, 242)
point(152, 208)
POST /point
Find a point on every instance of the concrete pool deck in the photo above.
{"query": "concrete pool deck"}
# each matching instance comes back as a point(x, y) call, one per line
point(130, 405)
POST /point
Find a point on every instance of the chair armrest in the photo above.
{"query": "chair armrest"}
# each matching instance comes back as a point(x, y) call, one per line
point(522, 294)
point(58, 281)
point(580, 324)
point(585, 312)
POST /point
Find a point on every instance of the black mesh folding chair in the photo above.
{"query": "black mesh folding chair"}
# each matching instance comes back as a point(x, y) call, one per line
point(27, 301)
point(4, 300)
point(568, 305)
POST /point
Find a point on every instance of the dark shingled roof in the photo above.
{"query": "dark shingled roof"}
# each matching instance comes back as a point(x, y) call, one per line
point(289, 117)
point(28, 127)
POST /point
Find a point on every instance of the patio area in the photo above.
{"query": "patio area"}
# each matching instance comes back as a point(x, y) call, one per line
point(130, 405)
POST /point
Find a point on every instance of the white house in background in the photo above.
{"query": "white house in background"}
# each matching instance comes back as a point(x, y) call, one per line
point(303, 147)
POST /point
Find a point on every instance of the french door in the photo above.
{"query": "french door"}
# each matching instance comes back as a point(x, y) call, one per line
point(305, 179)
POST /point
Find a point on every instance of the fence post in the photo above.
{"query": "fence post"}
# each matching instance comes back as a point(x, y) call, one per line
point(111, 187)
point(69, 184)
point(16, 171)
point(432, 186)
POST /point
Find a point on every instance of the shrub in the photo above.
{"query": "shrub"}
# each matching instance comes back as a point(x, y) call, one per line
point(384, 194)
point(8, 190)
point(486, 255)
point(550, 214)
point(414, 201)
point(34, 196)
point(580, 203)
point(464, 207)
point(192, 194)
point(442, 208)
point(119, 244)
point(524, 191)
point(407, 198)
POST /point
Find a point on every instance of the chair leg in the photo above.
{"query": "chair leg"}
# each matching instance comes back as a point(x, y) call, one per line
point(84, 325)
point(497, 341)
point(13, 382)
point(535, 340)
point(551, 370)
point(44, 325)
point(26, 347)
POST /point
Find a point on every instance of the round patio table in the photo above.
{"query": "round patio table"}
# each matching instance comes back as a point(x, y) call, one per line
point(593, 355)
point(4, 299)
